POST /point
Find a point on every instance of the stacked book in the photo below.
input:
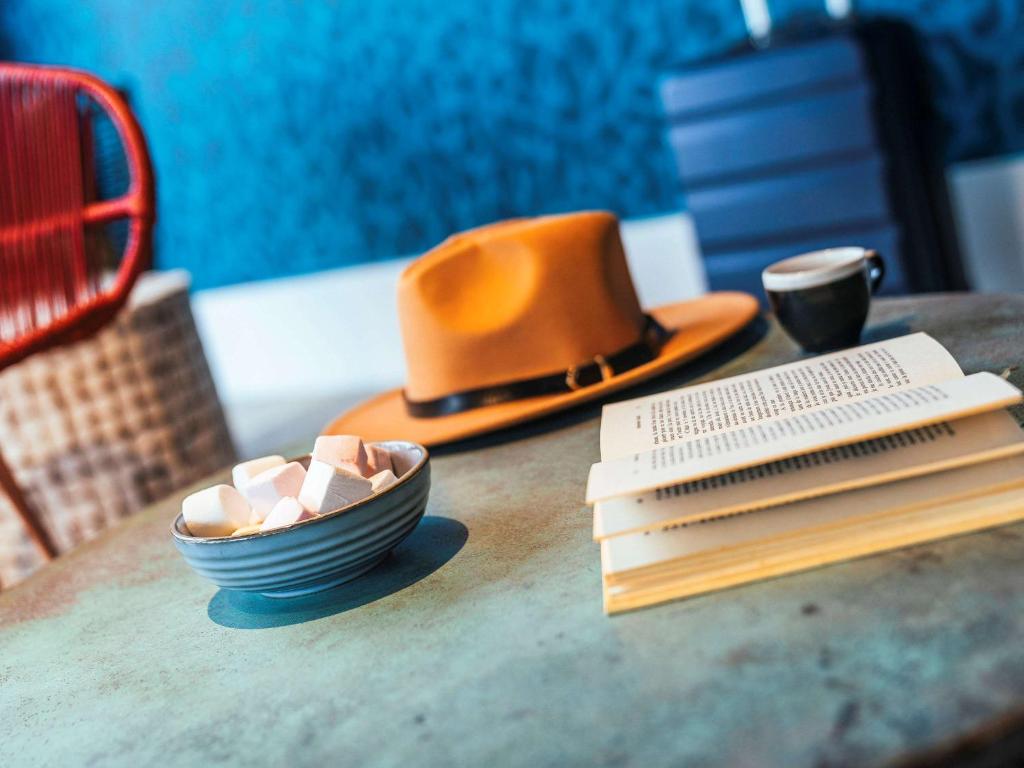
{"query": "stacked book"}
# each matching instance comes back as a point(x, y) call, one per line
point(814, 462)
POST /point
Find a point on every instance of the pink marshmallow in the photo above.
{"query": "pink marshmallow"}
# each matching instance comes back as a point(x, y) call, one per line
point(286, 512)
point(269, 487)
point(328, 488)
point(383, 480)
point(378, 459)
point(344, 451)
point(247, 470)
point(216, 511)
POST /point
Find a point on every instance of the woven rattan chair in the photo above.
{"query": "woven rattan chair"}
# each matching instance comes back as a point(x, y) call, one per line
point(61, 278)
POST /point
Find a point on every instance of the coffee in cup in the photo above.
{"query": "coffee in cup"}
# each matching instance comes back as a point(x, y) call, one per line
point(821, 298)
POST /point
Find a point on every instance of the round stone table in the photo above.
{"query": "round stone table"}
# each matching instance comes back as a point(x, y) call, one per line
point(481, 642)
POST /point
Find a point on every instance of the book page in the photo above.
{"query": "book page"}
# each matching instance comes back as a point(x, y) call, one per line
point(822, 545)
point(800, 433)
point(621, 555)
point(920, 451)
point(646, 423)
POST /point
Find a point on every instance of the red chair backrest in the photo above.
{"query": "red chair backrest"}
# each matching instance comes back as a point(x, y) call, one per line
point(53, 287)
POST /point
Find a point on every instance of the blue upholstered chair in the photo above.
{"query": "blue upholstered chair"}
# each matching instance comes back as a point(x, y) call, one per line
point(811, 144)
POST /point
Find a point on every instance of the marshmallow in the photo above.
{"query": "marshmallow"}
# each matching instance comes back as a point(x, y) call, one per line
point(216, 511)
point(378, 459)
point(269, 487)
point(247, 530)
point(344, 451)
point(243, 473)
point(287, 511)
point(327, 488)
point(382, 480)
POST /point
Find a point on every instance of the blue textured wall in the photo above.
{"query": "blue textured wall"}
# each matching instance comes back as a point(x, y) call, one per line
point(290, 137)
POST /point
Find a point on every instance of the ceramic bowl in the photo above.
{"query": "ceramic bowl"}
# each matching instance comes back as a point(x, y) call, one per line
point(323, 552)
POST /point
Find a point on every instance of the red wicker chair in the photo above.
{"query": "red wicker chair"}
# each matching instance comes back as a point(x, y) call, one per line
point(56, 286)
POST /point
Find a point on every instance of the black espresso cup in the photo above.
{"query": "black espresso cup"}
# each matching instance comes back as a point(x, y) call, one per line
point(821, 298)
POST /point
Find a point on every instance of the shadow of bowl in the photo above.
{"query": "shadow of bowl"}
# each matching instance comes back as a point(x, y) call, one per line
point(434, 542)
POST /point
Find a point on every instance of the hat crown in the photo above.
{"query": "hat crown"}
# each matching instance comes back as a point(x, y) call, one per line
point(516, 300)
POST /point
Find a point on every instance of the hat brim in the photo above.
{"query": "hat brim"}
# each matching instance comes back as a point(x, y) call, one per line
point(697, 325)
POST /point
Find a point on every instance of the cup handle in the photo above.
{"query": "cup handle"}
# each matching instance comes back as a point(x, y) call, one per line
point(876, 269)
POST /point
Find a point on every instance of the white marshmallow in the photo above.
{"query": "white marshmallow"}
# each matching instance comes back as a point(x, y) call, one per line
point(269, 487)
point(382, 480)
point(344, 451)
point(377, 460)
point(243, 473)
point(287, 511)
point(216, 511)
point(328, 488)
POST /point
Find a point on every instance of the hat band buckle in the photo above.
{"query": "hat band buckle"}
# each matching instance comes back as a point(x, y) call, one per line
point(572, 376)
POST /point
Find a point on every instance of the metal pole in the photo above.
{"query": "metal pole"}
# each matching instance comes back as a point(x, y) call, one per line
point(757, 18)
point(36, 530)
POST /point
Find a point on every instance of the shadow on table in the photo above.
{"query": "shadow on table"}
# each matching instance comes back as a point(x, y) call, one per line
point(435, 541)
point(889, 330)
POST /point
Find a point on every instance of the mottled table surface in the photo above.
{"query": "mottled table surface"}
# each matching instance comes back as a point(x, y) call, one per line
point(482, 641)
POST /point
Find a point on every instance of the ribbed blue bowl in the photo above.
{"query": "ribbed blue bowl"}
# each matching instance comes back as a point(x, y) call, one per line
point(323, 552)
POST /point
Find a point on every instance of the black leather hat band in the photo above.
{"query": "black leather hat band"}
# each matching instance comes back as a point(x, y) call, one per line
point(601, 368)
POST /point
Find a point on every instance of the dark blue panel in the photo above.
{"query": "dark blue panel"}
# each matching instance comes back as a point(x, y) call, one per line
point(758, 140)
point(770, 74)
point(741, 270)
point(829, 198)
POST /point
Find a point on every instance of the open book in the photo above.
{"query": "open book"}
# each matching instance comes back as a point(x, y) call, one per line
point(781, 444)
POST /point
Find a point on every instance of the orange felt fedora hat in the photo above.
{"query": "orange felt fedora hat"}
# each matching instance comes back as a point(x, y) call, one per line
point(516, 320)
